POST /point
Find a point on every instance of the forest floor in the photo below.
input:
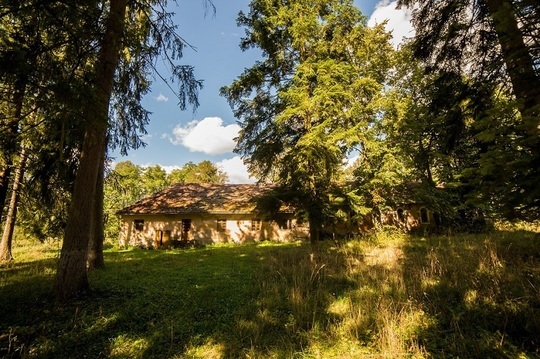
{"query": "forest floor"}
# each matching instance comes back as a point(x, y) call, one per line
point(389, 295)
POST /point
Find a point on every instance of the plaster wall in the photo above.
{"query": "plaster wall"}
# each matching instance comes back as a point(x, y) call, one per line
point(161, 230)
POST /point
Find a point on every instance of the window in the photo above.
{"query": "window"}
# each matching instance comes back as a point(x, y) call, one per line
point(255, 224)
point(221, 225)
point(186, 225)
point(424, 217)
point(139, 224)
point(284, 223)
point(401, 215)
point(437, 218)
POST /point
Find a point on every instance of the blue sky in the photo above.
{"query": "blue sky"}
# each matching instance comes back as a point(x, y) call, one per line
point(176, 137)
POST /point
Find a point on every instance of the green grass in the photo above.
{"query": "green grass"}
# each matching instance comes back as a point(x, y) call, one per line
point(385, 296)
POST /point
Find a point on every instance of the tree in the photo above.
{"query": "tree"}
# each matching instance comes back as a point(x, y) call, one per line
point(36, 42)
point(493, 44)
point(50, 172)
point(203, 172)
point(462, 35)
point(312, 99)
point(154, 179)
point(95, 258)
point(122, 187)
point(71, 276)
point(148, 36)
point(7, 237)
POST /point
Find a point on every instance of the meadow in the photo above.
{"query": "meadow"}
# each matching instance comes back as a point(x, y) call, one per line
point(389, 295)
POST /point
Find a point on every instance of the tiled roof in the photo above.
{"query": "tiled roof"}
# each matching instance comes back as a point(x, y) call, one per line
point(200, 198)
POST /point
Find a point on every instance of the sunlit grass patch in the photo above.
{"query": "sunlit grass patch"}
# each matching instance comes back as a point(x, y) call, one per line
point(208, 350)
point(126, 346)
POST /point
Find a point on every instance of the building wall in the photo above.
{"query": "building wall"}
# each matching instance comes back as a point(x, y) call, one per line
point(161, 230)
point(408, 217)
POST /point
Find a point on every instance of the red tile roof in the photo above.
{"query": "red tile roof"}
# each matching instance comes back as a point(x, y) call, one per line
point(200, 198)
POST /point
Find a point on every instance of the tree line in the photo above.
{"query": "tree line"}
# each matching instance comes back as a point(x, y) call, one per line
point(457, 106)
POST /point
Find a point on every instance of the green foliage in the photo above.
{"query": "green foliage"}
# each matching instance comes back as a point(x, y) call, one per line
point(387, 295)
point(313, 98)
point(154, 179)
point(203, 172)
point(475, 144)
point(478, 116)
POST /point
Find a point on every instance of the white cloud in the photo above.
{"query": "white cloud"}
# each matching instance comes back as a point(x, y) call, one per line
point(399, 21)
point(162, 98)
point(236, 170)
point(209, 136)
point(169, 169)
point(146, 138)
point(350, 161)
point(231, 34)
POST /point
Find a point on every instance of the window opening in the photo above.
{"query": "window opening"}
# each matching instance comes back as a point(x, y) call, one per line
point(255, 224)
point(424, 215)
point(139, 224)
point(186, 225)
point(401, 215)
point(284, 223)
point(221, 225)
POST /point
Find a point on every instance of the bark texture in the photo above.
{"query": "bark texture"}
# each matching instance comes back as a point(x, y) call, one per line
point(11, 218)
point(10, 140)
point(5, 173)
point(95, 248)
point(71, 277)
point(519, 63)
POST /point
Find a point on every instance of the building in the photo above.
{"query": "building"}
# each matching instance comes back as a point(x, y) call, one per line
point(205, 214)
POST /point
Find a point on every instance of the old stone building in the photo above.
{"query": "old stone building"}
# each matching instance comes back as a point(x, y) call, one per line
point(204, 214)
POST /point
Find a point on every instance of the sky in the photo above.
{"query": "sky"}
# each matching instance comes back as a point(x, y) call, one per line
point(176, 137)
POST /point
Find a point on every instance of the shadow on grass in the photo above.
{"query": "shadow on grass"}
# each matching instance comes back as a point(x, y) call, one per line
point(463, 296)
point(147, 304)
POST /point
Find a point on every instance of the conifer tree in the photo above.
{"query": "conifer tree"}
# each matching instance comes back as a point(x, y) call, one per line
point(312, 99)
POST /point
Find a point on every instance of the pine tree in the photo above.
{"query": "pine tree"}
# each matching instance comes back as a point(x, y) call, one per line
point(312, 99)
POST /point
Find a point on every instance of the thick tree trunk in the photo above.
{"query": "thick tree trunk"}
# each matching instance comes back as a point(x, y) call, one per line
point(95, 248)
point(525, 81)
point(526, 88)
point(71, 277)
point(7, 237)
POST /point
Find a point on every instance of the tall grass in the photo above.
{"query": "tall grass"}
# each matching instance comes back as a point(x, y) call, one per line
point(390, 295)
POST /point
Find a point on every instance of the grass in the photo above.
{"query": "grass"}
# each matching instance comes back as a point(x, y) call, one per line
point(387, 296)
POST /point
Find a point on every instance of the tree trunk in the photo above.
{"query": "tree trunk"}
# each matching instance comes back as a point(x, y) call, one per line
point(71, 277)
point(5, 173)
point(95, 248)
point(314, 229)
point(7, 237)
point(10, 144)
point(525, 81)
